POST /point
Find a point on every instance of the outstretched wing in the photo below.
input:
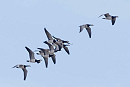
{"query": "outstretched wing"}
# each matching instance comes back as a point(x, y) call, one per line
point(53, 58)
point(66, 49)
point(46, 61)
point(31, 54)
point(81, 28)
point(48, 34)
point(89, 31)
point(113, 20)
point(25, 73)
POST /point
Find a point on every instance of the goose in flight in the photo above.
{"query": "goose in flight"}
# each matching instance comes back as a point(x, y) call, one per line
point(31, 55)
point(51, 52)
point(23, 67)
point(45, 54)
point(109, 17)
point(87, 28)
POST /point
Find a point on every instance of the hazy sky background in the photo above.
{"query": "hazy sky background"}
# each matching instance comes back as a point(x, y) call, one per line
point(102, 61)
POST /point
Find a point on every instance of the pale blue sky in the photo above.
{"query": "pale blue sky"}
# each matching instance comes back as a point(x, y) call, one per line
point(102, 61)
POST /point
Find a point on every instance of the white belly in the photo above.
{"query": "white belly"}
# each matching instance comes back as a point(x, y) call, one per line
point(108, 18)
point(32, 60)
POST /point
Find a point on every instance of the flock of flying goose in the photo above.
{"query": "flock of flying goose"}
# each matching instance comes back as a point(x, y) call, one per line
point(56, 44)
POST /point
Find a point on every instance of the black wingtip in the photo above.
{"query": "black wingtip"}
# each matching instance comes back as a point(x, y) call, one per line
point(45, 42)
point(27, 48)
point(68, 53)
point(46, 66)
point(89, 36)
point(45, 29)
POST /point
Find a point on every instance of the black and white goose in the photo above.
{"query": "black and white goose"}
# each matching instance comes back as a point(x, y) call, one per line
point(86, 26)
point(45, 54)
point(23, 67)
point(31, 55)
point(51, 52)
point(109, 17)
